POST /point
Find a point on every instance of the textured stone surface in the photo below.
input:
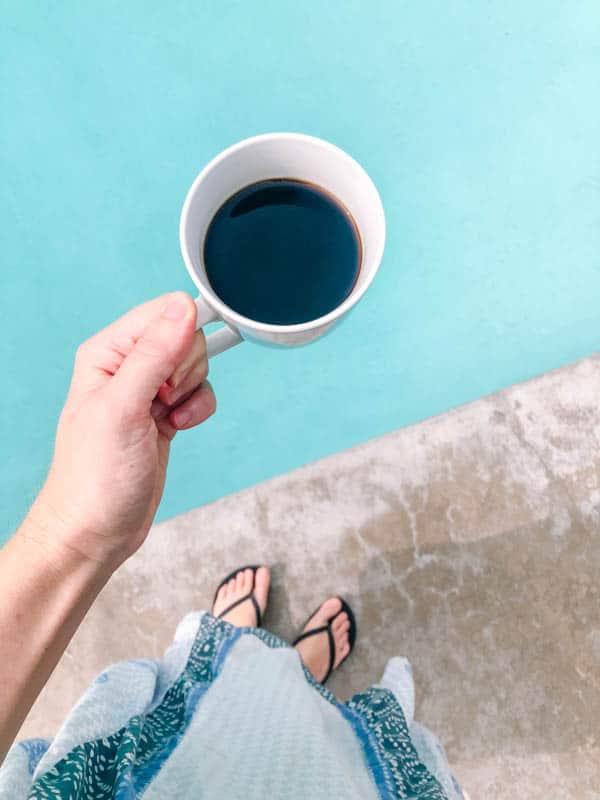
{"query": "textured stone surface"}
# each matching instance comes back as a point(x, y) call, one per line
point(469, 543)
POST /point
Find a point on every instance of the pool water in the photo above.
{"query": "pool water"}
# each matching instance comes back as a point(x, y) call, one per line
point(479, 123)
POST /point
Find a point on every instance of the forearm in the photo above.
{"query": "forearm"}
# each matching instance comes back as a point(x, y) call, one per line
point(134, 385)
point(47, 589)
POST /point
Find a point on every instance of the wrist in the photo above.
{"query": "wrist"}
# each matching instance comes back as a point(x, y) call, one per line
point(62, 540)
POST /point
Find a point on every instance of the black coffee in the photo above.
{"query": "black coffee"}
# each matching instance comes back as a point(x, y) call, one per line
point(282, 252)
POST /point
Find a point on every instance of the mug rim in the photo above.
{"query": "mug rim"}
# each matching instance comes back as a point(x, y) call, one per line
point(228, 314)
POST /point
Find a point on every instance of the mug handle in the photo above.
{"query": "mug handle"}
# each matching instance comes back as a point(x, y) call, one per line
point(220, 340)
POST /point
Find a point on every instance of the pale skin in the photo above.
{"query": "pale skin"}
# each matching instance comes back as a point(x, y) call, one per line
point(135, 384)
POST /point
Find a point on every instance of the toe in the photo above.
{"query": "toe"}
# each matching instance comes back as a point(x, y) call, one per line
point(222, 593)
point(220, 602)
point(341, 638)
point(231, 588)
point(247, 581)
point(239, 583)
point(342, 647)
point(340, 621)
point(327, 611)
point(262, 581)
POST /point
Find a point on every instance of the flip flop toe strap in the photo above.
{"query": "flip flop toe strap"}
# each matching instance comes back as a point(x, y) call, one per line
point(323, 629)
point(239, 601)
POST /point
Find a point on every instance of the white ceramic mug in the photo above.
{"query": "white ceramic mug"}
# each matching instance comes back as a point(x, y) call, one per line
point(277, 155)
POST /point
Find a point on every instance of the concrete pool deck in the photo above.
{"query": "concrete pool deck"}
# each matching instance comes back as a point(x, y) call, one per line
point(469, 543)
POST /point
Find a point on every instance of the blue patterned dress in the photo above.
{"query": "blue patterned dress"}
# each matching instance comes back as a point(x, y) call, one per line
point(232, 713)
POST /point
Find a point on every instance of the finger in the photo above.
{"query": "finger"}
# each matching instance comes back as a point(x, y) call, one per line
point(165, 427)
point(106, 349)
point(130, 326)
point(188, 375)
point(197, 408)
point(100, 356)
point(160, 412)
point(161, 347)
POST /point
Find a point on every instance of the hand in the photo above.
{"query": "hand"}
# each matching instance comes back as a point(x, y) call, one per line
point(134, 384)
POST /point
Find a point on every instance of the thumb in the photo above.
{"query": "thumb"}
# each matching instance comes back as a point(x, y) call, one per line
point(162, 346)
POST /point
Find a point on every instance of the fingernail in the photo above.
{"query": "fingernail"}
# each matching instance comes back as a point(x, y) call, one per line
point(182, 418)
point(176, 308)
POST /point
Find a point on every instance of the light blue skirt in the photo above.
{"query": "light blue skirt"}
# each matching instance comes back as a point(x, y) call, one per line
point(232, 713)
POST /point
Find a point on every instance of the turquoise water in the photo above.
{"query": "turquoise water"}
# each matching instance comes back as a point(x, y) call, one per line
point(479, 123)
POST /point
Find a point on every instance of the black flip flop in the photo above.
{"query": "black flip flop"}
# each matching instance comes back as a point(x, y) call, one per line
point(327, 629)
point(250, 596)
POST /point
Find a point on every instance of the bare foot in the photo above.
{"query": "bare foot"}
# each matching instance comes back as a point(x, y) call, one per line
point(244, 615)
point(314, 651)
